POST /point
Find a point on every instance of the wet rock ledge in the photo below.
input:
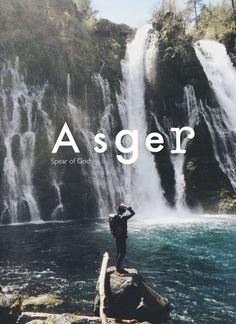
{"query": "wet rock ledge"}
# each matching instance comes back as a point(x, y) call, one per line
point(128, 300)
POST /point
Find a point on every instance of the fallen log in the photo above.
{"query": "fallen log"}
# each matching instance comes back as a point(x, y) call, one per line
point(102, 293)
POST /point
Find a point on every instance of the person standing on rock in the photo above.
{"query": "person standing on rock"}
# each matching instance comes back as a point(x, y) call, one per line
point(118, 226)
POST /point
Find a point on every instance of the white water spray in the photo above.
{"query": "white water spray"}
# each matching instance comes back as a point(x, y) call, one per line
point(221, 121)
point(104, 172)
point(143, 186)
point(18, 189)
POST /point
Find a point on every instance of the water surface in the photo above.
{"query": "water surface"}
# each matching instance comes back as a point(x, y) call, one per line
point(192, 262)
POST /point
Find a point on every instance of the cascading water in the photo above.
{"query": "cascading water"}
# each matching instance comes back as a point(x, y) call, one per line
point(104, 172)
point(143, 187)
point(178, 161)
point(18, 194)
point(221, 121)
point(112, 168)
point(191, 109)
point(21, 118)
point(59, 210)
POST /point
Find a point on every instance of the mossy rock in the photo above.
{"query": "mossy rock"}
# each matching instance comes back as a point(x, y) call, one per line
point(61, 319)
point(10, 308)
point(41, 302)
point(228, 205)
point(38, 322)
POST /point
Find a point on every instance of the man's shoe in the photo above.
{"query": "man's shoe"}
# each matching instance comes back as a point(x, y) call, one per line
point(121, 271)
point(120, 274)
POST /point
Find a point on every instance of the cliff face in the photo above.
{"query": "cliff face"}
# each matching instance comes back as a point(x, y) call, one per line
point(60, 52)
point(53, 38)
point(177, 66)
point(68, 70)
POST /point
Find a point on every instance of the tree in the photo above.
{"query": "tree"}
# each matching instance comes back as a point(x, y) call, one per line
point(214, 21)
point(194, 5)
point(84, 6)
point(168, 6)
point(234, 11)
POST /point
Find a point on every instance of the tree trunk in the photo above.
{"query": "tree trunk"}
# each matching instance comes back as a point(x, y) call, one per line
point(102, 287)
point(234, 12)
point(195, 12)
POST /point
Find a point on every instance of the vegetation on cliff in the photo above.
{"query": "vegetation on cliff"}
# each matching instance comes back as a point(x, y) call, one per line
point(56, 37)
point(178, 67)
point(205, 20)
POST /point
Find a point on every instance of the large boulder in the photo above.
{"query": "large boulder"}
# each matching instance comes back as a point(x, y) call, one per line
point(128, 296)
point(10, 307)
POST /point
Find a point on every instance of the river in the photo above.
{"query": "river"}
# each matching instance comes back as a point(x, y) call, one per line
point(189, 260)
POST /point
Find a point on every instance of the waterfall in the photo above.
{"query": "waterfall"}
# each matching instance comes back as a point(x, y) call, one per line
point(104, 171)
point(59, 209)
point(143, 188)
point(22, 119)
point(221, 121)
point(112, 168)
point(191, 108)
point(17, 102)
point(178, 160)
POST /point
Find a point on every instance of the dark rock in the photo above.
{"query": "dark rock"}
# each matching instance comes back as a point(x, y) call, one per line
point(206, 184)
point(2, 153)
point(5, 217)
point(128, 296)
point(106, 27)
point(10, 308)
point(23, 211)
point(16, 149)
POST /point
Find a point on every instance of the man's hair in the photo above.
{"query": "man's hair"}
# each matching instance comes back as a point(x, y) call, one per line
point(121, 209)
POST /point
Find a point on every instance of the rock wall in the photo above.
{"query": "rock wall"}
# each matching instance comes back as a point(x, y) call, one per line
point(177, 66)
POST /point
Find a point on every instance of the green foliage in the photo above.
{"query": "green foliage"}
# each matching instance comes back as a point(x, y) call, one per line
point(168, 6)
point(215, 21)
point(199, 19)
point(59, 37)
point(202, 19)
point(85, 9)
point(84, 6)
point(172, 34)
point(193, 6)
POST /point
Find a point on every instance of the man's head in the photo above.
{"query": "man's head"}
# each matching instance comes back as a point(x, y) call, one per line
point(121, 208)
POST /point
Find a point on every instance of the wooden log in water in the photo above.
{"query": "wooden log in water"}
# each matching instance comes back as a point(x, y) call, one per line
point(102, 293)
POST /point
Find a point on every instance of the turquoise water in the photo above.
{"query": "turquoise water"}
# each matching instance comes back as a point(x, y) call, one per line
point(191, 262)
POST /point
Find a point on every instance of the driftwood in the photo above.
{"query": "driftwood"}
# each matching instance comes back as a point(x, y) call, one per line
point(102, 293)
point(58, 318)
point(155, 301)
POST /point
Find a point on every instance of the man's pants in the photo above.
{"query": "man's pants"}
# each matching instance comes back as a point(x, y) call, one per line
point(121, 250)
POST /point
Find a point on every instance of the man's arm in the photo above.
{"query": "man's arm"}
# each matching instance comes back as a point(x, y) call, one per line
point(128, 213)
